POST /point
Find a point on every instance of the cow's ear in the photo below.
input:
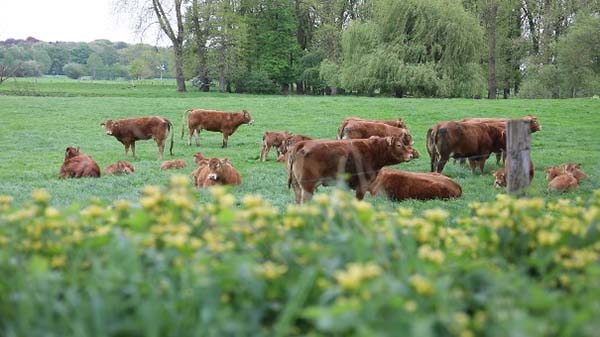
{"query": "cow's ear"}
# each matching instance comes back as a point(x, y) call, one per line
point(226, 161)
point(78, 149)
point(494, 172)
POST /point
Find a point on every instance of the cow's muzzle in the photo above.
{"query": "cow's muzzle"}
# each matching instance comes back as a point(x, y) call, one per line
point(213, 177)
point(251, 122)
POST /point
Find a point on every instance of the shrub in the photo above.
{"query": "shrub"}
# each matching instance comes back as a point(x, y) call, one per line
point(171, 266)
point(74, 70)
point(255, 82)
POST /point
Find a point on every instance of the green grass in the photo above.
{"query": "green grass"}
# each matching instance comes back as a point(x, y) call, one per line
point(36, 129)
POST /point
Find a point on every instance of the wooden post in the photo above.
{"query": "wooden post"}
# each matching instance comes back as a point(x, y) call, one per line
point(518, 146)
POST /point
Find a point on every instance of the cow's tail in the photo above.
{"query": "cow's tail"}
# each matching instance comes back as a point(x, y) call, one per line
point(290, 166)
point(172, 131)
point(185, 113)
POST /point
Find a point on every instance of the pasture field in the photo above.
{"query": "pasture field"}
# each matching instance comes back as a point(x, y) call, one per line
point(56, 113)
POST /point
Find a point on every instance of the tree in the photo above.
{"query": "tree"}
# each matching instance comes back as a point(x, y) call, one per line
point(94, 64)
point(169, 16)
point(200, 15)
point(74, 70)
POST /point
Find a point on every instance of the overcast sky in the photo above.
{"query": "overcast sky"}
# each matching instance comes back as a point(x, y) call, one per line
point(65, 20)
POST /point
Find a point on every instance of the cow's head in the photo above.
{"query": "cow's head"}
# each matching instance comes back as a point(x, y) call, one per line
point(500, 178)
point(71, 152)
point(399, 150)
point(553, 171)
point(570, 167)
point(108, 126)
point(247, 118)
point(200, 159)
point(534, 125)
point(216, 168)
point(125, 167)
point(400, 123)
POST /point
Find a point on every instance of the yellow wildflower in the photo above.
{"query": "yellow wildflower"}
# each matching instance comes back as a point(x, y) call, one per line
point(51, 212)
point(410, 306)
point(436, 215)
point(40, 195)
point(271, 271)
point(352, 277)
point(422, 285)
point(546, 238)
point(93, 211)
point(58, 261)
point(179, 180)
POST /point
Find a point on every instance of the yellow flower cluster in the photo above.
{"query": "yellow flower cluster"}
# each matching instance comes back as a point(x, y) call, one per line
point(356, 273)
point(421, 285)
point(270, 270)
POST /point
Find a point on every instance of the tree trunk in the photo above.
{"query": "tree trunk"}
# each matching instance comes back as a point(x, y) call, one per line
point(334, 90)
point(179, 68)
point(201, 35)
point(222, 70)
point(491, 24)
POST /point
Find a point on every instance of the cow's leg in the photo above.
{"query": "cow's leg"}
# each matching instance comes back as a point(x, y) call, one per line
point(225, 138)
point(126, 149)
point(161, 147)
point(190, 135)
point(498, 158)
point(441, 163)
point(482, 163)
point(433, 161)
point(472, 163)
point(197, 135)
point(360, 193)
point(265, 151)
point(133, 149)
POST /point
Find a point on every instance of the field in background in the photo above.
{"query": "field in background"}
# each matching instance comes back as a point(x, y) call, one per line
point(56, 113)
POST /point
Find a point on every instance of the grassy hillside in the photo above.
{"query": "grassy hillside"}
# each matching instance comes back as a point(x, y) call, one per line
point(54, 114)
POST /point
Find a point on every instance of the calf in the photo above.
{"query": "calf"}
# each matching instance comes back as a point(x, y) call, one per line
point(364, 130)
point(462, 139)
point(120, 167)
point(78, 165)
point(398, 123)
point(561, 182)
point(173, 164)
point(500, 176)
point(287, 144)
point(222, 172)
point(212, 120)
point(200, 174)
point(323, 162)
point(128, 131)
point(399, 185)
point(272, 139)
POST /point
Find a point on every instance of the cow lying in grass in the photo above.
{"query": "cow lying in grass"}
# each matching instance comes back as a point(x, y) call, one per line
point(399, 185)
point(78, 165)
point(120, 167)
point(214, 171)
point(565, 177)
point(173, 164)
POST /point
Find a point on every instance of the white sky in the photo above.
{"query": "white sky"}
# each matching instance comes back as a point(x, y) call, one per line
point(65, 20)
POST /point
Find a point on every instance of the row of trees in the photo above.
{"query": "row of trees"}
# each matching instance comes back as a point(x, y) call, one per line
point(100, 59)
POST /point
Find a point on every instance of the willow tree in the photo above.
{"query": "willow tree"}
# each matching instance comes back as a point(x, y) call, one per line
point(416, 47)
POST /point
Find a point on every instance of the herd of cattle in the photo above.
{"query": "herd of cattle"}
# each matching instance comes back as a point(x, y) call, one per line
point(358, 156)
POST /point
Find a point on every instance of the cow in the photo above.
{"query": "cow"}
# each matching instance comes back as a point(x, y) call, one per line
point(399, 185)
point(398, 123)
point(199, 158)
point(173, 164)
point(221, 172)
point(78, 165)
point(200, 174)
point(500, 175)
point(120, 167)
point(573, 169)
point(128, 131)
point(273, 139)
point(560, 180)
point(534, 126)
point(462, 139)
point(213, 120)
point(313, 163)
point(287, 144)
point(364, 130)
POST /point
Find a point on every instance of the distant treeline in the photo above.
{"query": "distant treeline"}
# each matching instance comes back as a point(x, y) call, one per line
point(417, 48)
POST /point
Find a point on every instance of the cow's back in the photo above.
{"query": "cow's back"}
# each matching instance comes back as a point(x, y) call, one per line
point(400, 185)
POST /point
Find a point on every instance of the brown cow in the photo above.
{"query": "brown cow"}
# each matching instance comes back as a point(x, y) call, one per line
point(213, 120)
point(78, 165)
point(398, 123)
point(462, 139)
point(222, 172)
point(356, 161)
point(199, 158)
point(287, 145)
point(570, 168)
point(120, 167)
point(128, 131)
point(559, 180)
point(500, 175)
point(364, 130)
point(400, 185)
point(273, 139)
point(200, 174)
point(173, 164)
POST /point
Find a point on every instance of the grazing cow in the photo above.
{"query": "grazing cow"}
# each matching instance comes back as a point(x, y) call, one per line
point(357, 161)
point(222, 172)
point(120, 167)
point(272, 139)
point(78, 165)
point(287, 145)
point(364, 130)
point(399, 185)
point(212, 120)
point(173, 164)
point(398, 123)
point(500, 175)
point(128, 131)
point(462, 139)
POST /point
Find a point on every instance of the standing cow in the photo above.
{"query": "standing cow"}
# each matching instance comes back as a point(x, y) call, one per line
point(272, 139)
point(323, 162)
point(128, 131)
point(78, 165)
point(212, 120)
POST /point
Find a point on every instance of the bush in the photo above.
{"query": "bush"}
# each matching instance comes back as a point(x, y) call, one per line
point(169, 265)
point(255, 82)
point(29, 69)
point(74, 70)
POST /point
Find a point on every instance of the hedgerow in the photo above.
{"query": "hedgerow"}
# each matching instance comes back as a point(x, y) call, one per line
point(172, 266)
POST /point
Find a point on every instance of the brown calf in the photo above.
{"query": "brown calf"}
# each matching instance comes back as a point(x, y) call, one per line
point(222, 172)
point(213, 120)
point(400, 185)
point(364, 130)
point(287, 145)
point(120, 167)
point(500, 175)
point(78, 165)
point(273, 139)
point(398, 123)
point(357, 161)
point(128, 131)
point(173, 164)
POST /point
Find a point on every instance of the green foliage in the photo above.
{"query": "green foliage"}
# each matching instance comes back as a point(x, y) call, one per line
point(169, 265)
point(417, 47)
point(257, 82)
point(74, 70)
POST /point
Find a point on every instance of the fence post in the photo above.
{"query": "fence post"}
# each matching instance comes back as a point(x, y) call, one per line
point(518, 145)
